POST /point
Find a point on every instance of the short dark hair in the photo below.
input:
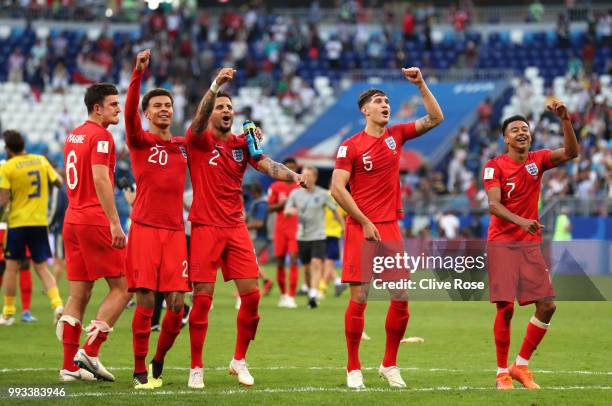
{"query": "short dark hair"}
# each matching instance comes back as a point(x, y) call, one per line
point(289, 160)
point(153, 93)
point(367, 95)
point(96, 93)
point(13, 140)
point(516, 117)
point(224, 94)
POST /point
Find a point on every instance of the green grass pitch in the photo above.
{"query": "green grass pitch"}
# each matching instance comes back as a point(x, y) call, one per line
point(299, 356)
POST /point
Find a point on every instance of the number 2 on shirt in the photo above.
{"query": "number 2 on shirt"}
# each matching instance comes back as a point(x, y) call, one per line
point(215, 156)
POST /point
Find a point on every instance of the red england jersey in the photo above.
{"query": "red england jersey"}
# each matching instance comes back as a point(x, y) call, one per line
point(374, 166)
point(217, 168)
point(520, 185)
point(87, 145)
point(159, 168)
point(280, 190)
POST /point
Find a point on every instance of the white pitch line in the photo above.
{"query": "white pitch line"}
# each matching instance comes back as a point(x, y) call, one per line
point(315, 389)
point(331, 368)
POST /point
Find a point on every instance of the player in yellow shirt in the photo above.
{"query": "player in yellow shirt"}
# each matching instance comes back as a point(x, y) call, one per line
point(333, 233)
point(24, 184)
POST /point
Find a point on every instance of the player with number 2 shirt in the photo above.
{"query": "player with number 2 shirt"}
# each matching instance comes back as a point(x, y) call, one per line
point(157, 245)
point(219, 236)
point(93, 237)
point(369, 163)
point(516, 267)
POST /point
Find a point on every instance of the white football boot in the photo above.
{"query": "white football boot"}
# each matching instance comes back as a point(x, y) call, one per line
point(196, 378)
point(354, 379)
point(392, 375)
point(239, 368)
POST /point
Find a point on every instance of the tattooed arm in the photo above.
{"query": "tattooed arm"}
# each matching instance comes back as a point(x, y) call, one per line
point(432, 108)
point(279, 171)
point(205, 108)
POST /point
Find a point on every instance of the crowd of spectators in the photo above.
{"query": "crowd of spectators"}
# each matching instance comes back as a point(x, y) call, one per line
point(269, 49)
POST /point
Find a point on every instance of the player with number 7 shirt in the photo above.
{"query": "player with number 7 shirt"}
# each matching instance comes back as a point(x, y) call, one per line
point(219, 236)
point(157, 246)
point(516, 267)
point(93, 237)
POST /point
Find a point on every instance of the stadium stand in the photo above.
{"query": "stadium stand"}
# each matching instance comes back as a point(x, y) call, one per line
point(294, 64)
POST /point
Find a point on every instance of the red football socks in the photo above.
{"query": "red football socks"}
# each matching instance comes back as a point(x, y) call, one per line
point(141, 329)
point(353, 329)
point(246, 322)
point(198, 324)
point(501, 332)
point(25, 286)
point(170, 329)
point(293, 279)
point(92, 349)
point(535, 333)
point(71, 340)
point(280, 279)
point(395, 326)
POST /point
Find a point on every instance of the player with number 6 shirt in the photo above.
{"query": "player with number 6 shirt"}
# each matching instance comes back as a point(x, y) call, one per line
point(157, 245)
point(219, 236)
point(516, 268)
point(93, 237)
point(369, 162)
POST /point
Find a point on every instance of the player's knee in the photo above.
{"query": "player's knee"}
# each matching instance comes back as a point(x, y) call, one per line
point(81, 297)
point(548, 308)
point(506, 309)
point(175, 304)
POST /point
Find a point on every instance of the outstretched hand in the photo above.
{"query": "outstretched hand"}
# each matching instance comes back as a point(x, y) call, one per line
point(142, 59)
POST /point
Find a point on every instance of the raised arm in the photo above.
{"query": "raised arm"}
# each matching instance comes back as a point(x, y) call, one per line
point(497, 209)
point(434, 114)
point(133, 125)
point(279, 171)
point(340, 178)
point(570, 143)
point(205, 108)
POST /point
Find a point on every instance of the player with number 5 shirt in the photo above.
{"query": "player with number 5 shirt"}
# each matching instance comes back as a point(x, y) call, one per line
point(157, 246)
point(369, 163)
point(93, 237)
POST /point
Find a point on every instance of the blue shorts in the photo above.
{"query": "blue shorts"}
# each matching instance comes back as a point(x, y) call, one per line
point(332, 248)
point(36, 239)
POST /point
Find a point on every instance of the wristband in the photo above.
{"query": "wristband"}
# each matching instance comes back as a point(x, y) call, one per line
point(214, 87)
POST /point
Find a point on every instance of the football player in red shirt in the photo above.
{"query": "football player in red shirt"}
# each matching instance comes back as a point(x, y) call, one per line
point(93, 237)
point(517, 269)
point(285, 237)
point(369, 162)
point(219, 237)
point(157, 246)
